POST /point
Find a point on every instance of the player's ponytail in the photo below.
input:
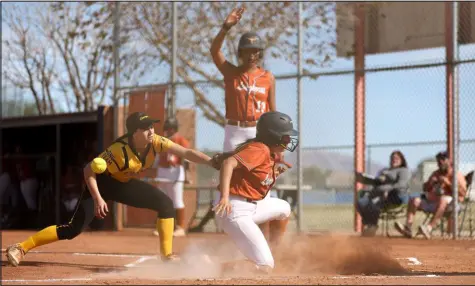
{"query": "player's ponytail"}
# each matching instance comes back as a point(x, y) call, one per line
point(239, 146)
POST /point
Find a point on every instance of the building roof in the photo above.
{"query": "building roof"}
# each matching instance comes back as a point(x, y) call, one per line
point(52, 119)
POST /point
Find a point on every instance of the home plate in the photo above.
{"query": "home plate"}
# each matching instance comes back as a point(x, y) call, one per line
point(412, 260)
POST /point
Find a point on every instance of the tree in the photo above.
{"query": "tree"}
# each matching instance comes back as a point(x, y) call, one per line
point(66, 47)
point(198, 24)
point(26, 63)
point(63, 48)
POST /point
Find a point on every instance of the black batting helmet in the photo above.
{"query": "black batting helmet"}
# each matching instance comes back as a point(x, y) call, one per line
point(250, 40)
point(276, 128)
point(170, 123)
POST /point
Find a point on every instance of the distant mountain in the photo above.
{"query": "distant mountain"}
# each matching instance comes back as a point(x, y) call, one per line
point(325, 160)
point(330, 161)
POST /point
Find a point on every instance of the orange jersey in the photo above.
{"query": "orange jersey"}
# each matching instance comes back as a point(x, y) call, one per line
point(167, 160)
point(247, 95)
point(255, 176)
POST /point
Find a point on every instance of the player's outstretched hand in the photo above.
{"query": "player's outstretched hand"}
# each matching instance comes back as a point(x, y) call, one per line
point(100, 208)
point(217, 160)
point(233, 17)
point(223, 208)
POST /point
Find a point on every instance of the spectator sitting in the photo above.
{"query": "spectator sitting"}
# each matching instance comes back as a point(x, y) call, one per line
point(437, 197)
point(388, 188)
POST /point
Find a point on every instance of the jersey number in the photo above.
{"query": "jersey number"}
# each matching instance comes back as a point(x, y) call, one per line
point(261, 106)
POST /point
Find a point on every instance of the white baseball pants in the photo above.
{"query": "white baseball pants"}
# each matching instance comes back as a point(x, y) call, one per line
point(173, 184)
point(235, 135)
point(242, 226)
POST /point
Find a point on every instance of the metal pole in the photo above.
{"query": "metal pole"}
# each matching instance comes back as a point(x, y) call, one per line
point(299, 120)
point(116, 49)
point(359, 152)
point(455, 114)
point(57, 179)
point(172, 93)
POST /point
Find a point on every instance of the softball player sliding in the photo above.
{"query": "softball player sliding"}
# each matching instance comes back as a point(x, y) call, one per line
point(171, 174)
point(111, 177)
point(245, 179)
point(249, 92)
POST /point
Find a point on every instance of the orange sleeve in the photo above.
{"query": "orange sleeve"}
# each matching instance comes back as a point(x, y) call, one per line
point(184, 142)
point(251, 156)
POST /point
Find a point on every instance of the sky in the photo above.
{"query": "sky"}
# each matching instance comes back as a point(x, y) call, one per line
point(401, 106)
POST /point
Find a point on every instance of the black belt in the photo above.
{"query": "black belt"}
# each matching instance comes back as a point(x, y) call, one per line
point(251, 201)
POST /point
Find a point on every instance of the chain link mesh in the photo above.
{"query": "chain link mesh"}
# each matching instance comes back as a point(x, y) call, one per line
point(405, 104)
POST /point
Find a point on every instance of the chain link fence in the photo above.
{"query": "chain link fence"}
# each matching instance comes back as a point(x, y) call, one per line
point(405, 90)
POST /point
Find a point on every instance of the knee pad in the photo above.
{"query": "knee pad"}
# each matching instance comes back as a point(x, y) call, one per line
point(68, 231)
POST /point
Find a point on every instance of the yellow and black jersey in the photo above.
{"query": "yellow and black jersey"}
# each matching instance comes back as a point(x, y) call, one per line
point(125, 163)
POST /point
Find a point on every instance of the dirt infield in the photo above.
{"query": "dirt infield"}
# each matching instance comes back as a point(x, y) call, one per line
point(129, 257)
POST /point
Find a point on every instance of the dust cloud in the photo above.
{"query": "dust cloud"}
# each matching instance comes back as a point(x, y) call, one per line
point(303, 255)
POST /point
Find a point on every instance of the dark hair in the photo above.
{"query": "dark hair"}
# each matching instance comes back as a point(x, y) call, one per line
point(255, 139)
point(442, 155)
point(403, 159)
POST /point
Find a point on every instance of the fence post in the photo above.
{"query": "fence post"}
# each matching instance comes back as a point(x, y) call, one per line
point(359, 151)
point(299, 120)
point(451, 41)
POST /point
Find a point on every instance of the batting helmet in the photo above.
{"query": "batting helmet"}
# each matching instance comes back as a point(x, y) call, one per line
point(170, 123)
point(250, 40)
point(276, 128)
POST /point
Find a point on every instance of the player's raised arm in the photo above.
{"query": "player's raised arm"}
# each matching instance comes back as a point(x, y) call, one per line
point(218, 57)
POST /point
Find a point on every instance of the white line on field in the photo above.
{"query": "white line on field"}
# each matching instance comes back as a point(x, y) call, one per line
point(112, 255)
point(49, 280)
point(386, 276)
point(138, 261)
point(91, 254)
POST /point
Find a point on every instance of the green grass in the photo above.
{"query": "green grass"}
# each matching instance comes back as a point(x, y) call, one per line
point(339, 218)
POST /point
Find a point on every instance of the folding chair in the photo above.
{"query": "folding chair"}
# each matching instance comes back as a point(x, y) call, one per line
point(390, 213)
point(467, 204)
point(464, 206)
